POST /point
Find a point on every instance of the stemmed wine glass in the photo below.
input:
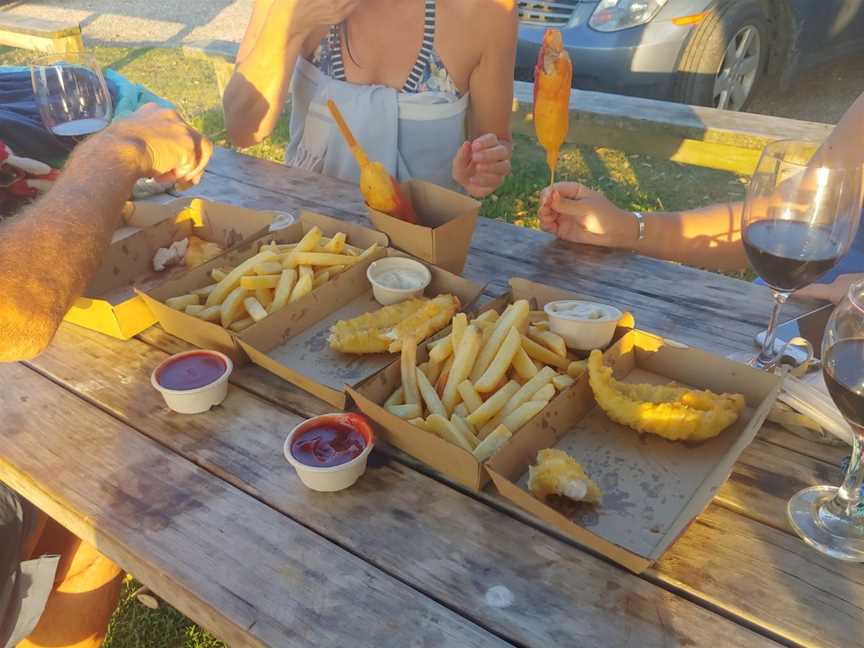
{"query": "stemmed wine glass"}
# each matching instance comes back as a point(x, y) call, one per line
point(799, 219)
point(72, 95)
point(829, 518)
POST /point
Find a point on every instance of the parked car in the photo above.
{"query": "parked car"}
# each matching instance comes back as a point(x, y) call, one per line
point(704, 52)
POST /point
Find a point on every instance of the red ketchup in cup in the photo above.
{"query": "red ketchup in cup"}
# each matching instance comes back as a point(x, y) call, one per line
point(191, 371)
point(330, 441)
point(194, 381)
point(329, 452)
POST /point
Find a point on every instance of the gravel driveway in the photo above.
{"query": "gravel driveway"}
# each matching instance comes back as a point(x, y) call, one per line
point(822, 95)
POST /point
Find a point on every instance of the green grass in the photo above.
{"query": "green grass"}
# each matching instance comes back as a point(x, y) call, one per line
point(137, 626)
point(631, 181)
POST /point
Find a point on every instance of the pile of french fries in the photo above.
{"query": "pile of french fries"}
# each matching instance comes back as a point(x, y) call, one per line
point(266, 282)
point(484, 380)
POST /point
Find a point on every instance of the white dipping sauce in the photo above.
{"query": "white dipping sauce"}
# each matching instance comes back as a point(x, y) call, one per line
point(400, 280)
point(585, 311)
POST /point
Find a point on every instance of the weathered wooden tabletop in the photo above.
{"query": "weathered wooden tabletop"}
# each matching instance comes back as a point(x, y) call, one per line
point(206, 511)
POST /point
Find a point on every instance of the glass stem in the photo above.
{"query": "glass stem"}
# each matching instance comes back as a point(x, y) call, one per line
point(848, 499)
point(767, 357)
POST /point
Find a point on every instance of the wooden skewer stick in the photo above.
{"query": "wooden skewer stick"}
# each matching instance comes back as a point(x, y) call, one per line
point(356, 149)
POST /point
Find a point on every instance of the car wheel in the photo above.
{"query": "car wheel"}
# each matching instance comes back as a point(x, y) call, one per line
point(724, 59)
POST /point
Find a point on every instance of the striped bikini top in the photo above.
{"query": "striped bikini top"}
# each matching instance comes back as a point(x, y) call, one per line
point(428, 74)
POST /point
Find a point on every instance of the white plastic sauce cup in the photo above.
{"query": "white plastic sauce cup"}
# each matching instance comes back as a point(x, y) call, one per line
point(385, 295)
point(332, 478)
point(583, 334)
point(197, 400)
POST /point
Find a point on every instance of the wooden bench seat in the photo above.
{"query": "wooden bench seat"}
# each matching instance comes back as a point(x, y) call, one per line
point(39, 35)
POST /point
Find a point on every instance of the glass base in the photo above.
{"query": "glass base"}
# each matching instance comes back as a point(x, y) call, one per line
point(814, 517)
point(751, 359)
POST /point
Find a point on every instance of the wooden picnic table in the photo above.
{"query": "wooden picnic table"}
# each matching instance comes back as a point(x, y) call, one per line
point(208, 514)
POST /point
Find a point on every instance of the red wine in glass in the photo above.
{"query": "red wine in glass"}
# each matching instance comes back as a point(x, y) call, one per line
point(843, 368)
point(831, 518)
point(798, 219)
point(790, 254)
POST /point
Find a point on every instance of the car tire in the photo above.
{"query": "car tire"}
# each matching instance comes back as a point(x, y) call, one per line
point(712, 59)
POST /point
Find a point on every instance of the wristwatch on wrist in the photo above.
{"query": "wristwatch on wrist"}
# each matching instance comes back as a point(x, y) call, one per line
point(640, 221)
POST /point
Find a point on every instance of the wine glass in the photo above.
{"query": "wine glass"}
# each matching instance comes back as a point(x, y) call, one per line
point(799, 219)
point(829, 518)
point(72, 95)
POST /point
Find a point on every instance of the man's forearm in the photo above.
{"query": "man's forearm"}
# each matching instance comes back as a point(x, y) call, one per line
point(50, 252)
point(709, 237)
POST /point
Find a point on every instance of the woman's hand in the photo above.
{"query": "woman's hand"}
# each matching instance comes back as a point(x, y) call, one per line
point(574, 212)
point(482, 165)
point(833, 292)
point(306, 15)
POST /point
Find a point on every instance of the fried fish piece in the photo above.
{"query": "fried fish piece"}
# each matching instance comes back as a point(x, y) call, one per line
point(557, 473)
point(384, 329)
point(674, 413)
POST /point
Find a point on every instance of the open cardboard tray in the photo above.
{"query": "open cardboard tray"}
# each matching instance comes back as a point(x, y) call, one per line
point(652, 488)
point(109, 304)
point(297, 350)
point(441, 455)
point(448, 218)
point(209, 335)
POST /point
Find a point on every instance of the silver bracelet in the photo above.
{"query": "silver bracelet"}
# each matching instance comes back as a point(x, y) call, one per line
point(640, 221)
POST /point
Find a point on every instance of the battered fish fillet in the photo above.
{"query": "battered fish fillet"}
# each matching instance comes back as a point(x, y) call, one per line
point(674, 413)
point(557, 473)
point(384, 329)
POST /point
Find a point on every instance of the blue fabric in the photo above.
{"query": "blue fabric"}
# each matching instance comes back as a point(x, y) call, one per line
point(21, 126)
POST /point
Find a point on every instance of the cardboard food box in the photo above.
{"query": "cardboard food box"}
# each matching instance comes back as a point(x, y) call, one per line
point(445, 457)
point(652, 488)
point(448, 220)
point(209, 335)
point(297, 349)
point(110, 304)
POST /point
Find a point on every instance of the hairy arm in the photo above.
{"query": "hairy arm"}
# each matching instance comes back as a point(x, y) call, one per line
point(49, 252)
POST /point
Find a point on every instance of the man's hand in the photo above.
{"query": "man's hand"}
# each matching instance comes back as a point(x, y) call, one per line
point(165, 147)
point(574, 212)
point(833, 292)
point(482, 165)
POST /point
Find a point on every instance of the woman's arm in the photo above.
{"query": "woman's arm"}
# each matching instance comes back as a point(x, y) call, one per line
point(275, 37)
point(482, 164)
point(709, 237)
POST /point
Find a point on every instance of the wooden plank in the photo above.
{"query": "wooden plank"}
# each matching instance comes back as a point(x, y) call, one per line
point(39, 35)
point(697, 135)
point(229, 562)
point(767, 476)
point(529, 587)
point(776, 581)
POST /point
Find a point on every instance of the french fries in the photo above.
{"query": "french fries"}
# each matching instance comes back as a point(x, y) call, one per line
point(485, 380)
point(254, 282)
point(182, 301)
point(464, 358)
point(408, 366)
point(256, 311)
point(277, 275)
point(486, 448)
